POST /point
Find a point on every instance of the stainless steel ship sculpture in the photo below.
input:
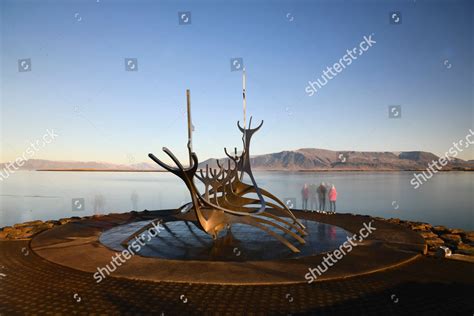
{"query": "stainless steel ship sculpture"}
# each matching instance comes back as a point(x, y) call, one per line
point(226, 199)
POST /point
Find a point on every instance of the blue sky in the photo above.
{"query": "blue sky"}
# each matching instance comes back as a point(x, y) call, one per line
point(78, 85)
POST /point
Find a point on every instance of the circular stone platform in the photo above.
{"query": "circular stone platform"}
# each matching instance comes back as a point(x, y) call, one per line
point(76, 245)
point(183, 240)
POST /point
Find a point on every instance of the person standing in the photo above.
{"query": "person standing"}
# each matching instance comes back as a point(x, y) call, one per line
point(304, 196)
point(313, 196)
point(99, 204)
point(322, 196)
point(134, 199)
point(332, 198)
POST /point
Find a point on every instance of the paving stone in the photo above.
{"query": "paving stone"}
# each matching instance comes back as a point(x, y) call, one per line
point(424, 286)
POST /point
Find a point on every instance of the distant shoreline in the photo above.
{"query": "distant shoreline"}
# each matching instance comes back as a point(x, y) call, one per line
point(380, 170)
point(259, 170)
point(99, 170)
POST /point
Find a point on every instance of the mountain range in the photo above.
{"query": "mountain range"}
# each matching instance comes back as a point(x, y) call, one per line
point(305, 159)
point(312, 159)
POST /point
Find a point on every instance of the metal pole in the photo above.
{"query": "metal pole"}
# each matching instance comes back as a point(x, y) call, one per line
point(244, 100)
point(190, 125)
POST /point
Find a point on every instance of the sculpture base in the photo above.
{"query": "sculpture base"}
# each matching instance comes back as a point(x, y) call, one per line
point(182, 240)
point(76, 245)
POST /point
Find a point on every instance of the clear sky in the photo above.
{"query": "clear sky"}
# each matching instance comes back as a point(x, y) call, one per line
point(78, 85)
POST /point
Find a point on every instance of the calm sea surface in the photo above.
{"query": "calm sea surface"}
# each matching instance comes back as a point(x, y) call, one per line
point(446, 199)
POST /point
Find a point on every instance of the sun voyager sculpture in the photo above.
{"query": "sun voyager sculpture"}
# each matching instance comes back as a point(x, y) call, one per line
point(227, 199)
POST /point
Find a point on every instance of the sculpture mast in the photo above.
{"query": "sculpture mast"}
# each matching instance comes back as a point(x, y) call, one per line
point(244, 97)
point(245, 116)
point(190, 125)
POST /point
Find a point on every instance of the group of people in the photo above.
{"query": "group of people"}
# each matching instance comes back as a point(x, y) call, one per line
point(319, 193)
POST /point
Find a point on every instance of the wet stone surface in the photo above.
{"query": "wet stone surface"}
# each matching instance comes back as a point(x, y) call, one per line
point(182, 240)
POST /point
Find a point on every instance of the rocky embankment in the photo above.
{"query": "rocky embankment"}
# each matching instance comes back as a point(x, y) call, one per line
point(29, 229)
point(457, 240)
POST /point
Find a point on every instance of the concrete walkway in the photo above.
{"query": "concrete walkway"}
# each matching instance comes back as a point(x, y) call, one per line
point(31, 284)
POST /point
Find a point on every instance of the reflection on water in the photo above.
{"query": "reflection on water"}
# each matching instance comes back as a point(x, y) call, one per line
point(446, 199)
point(321, 231)
point(134, 199)
point(99, 204)
point(183, 240)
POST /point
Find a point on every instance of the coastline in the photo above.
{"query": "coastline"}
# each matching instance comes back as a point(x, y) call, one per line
point(259, 170)
point(459, 242)
point(97, 170)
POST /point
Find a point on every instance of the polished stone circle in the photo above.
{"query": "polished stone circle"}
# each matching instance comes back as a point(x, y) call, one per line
point(182, 240)
point(76, 245)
